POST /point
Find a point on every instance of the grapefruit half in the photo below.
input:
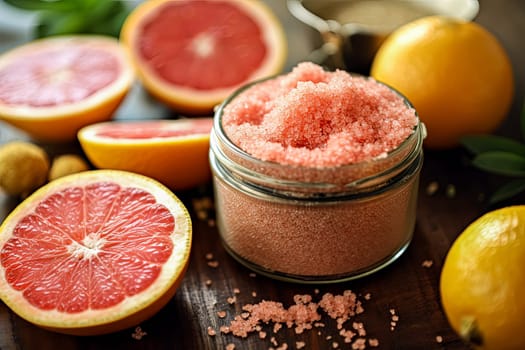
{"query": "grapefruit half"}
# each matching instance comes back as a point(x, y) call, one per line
point(94, 252)
point(174, 152)
point(193, 54)
point(52, 87)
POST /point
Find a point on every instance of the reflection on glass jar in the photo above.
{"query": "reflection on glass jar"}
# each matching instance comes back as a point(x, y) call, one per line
point(314, 224)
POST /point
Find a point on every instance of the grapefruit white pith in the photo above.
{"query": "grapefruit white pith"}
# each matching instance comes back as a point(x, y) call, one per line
point(52, 87)
point(193, 54)
point(94, 252)
point(174, 152)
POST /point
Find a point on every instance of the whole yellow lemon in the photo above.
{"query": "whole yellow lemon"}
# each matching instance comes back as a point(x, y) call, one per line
point(456, 74)
point(482, 281)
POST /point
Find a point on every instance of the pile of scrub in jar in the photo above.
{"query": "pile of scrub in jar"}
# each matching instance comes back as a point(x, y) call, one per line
point(316, 118)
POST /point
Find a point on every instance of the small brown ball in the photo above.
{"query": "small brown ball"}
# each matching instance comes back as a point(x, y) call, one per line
point(23, 167)
point(67, 164)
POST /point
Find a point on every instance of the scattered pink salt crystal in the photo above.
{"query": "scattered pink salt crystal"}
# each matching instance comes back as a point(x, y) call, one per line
point(359, 344)
point(394, 318)
point(348, 335)
point(274, 341)
point(358, 326)
point(302, 315)
point(427, 263)
point(138, 333)
point(213, 263)
point(283, 346)
point(340, 307)
point(373, 342)
point(211, 332)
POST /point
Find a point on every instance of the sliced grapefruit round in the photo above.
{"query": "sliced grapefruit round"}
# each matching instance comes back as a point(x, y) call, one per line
point(94, 252)
point(193, 54)
point(52, 87)
point(174, 152)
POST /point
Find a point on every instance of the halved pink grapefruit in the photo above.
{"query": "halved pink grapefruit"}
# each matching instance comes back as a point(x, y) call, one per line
point(94, 252)
point(174, 152)
point(52, 87)
point(193, 54)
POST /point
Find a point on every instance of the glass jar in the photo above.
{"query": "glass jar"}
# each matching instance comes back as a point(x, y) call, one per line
point(314, 225)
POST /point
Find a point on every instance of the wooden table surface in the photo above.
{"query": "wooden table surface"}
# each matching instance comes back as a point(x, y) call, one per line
point(407, 286)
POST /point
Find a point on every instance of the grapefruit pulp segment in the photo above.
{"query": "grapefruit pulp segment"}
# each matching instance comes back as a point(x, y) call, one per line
point(193, 64)
point(94, 252)
point(174, 152)
point(151, 130)
point(52, 87)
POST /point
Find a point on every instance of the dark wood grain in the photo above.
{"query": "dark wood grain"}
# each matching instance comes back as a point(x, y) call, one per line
point(406, 286)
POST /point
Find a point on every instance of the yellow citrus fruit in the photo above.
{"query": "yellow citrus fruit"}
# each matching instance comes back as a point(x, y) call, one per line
point(23, 167)
point(482, 281)
point(94, 252)
point(52, 87)
point(174, 152)
point(66, 164)
point(193, 54)
point(456, 74)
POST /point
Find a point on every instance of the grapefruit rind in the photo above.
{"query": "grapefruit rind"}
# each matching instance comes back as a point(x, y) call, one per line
point(61, 123)
point(194, 101)
point(133, 309)
point(180, 162)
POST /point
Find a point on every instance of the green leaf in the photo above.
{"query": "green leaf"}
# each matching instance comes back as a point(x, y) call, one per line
point(76, 16)
point(490, 143)
point(112, 26)
point(39, 5)
point(107, 17)
point(503, 163)
point(104, 9)
point(53, 23)
point(507, 191)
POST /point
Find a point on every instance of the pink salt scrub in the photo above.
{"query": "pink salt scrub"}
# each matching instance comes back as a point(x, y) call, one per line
point(315, 118)
point(316, 175)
